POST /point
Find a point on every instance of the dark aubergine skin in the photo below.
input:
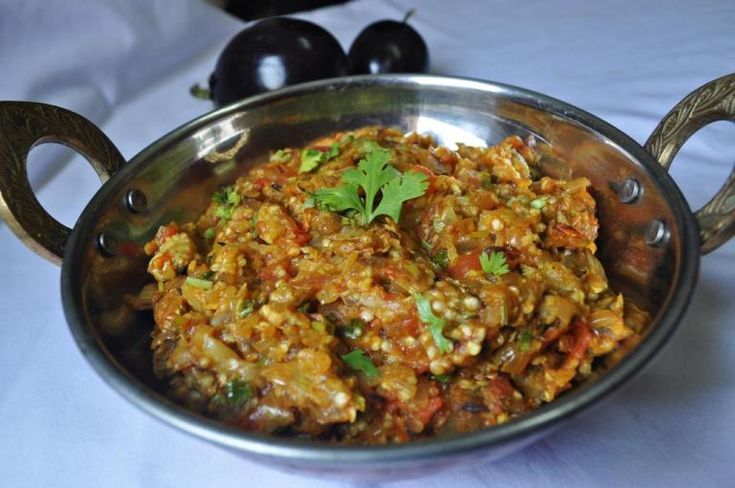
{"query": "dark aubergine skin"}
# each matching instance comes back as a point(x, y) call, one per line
point(272, 54)
point(388, 46)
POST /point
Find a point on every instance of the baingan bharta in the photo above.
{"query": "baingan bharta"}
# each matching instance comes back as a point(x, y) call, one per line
point(374, 287)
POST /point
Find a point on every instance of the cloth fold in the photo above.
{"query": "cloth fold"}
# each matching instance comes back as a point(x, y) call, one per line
point(91, 57)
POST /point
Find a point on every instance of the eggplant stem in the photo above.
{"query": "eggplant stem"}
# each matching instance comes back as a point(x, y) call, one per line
point(408, 15)
point(198, 91)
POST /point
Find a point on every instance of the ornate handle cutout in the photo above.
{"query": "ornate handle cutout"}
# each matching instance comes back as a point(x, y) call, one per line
point(23, 125)
point(708, 103)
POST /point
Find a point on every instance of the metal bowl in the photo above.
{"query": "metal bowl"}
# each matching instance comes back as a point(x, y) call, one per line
point(650, 241)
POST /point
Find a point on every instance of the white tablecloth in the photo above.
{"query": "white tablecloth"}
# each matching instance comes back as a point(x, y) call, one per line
point(128, 66)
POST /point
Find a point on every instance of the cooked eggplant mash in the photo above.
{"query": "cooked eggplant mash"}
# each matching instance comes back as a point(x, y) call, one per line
point(374, 287)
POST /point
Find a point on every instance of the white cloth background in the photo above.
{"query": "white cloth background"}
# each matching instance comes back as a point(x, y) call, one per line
point(128, 66)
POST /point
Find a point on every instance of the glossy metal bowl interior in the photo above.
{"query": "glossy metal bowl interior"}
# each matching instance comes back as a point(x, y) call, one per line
point(177, 179)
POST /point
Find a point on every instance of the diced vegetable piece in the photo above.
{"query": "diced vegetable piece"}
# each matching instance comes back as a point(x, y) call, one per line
point(539, 203)
point(525, 339)
point(245, 308)
point(353, 330)
point(199, 283)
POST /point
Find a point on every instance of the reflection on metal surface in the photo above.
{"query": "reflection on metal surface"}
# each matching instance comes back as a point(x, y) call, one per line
point(657, 233)
point(629, 191)
point(107, 243)
point(229, 154)
point(448, 134)
point(210, 141)
point(136, 201)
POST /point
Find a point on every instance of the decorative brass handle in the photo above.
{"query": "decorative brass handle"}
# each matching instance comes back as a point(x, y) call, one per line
point(708, 103)
point(24, 125)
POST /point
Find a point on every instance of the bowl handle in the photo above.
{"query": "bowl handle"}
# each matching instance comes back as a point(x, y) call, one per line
point(709, 103)
point(24, 125)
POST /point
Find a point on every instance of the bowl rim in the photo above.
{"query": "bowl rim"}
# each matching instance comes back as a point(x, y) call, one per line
point(312, 453)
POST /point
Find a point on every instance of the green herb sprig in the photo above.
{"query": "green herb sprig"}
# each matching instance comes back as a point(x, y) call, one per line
point(385, 188)
point(441, 258)
point(359, 361)
point(494, 264)
point(443, 379)
point(227, 200)
point(313, 158)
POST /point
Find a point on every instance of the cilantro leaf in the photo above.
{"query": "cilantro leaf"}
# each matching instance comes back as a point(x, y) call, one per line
point(375, 176)
point(412, 185)
point(281, 156)
point(495, 264)
point(441, 258)
point(227, 195)
point(525, 340)
point(369, 146)
point(238, 392)
point(227, 200)
point(333, 152)
point(312, 158)
point(436, 324)
point(224, 212)
point(339, 198)
point(371, 174)
point(359, 361)
point(444, 379)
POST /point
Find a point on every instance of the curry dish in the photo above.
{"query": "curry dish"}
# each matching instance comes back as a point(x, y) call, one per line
point(374, 287)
